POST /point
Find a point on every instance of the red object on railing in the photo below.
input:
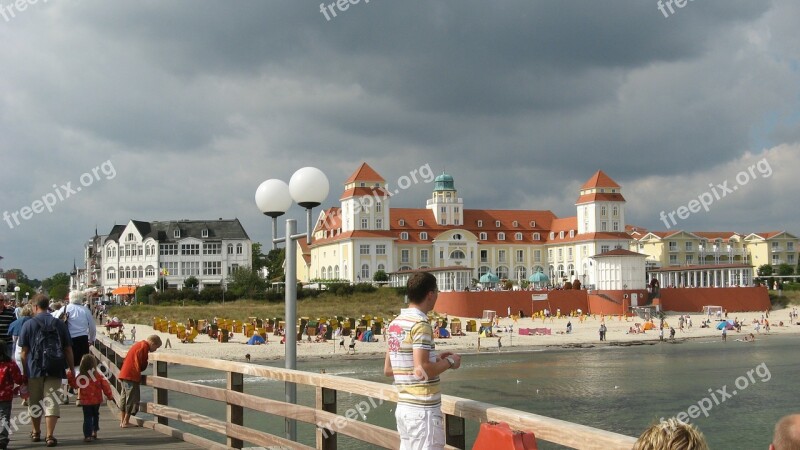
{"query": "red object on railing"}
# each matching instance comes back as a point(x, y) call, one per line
point(500, 436)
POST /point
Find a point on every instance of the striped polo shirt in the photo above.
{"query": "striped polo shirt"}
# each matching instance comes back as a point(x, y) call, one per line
point(408, 331)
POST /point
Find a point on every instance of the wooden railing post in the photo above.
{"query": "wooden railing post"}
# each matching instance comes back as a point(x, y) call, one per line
point(161, 397)
point(455, 431)
point(326, 401)
point(235, 413)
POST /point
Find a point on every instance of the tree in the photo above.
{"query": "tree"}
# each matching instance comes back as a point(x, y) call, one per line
point(60, 278)
point(143, 293)
point(275, 260)
point(191, 283)
point(245, 282)
point(576, 284)
point(785, 269)
point(59, 292)
point(26, 289)
point(380, 275)
point(764, 270)
point(23, 279)
point(259, 259)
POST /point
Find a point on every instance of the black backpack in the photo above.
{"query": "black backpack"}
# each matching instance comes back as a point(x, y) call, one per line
point(50, 351)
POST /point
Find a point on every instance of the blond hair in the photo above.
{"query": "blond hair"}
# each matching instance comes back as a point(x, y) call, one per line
point(671, 434)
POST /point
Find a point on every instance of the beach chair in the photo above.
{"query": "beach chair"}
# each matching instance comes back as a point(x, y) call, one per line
point(191, 335)
point(249, 329)
point(455, 327)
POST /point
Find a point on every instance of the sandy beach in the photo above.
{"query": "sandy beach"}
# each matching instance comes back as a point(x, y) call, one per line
point(584, 334)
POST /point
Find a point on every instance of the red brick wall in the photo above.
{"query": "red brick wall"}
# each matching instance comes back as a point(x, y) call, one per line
point(472, 304)
point(734, 299)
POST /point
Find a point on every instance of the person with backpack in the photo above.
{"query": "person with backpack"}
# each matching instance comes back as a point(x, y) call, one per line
point(46, 355)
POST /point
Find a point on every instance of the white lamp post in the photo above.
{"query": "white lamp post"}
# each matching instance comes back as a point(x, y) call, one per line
point(16, 293)
point(308, 187)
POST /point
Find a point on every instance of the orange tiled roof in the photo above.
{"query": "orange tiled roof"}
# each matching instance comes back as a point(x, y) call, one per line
point(600, 197)
point(599, 179)
point(769, 234)
point(715, 234)
point(364, 190)
point(619, 252)
point(364, 173)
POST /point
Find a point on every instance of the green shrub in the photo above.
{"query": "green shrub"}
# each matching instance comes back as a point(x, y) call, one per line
point(364, 287)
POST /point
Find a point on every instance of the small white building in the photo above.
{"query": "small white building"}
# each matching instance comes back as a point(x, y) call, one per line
point(617, 270)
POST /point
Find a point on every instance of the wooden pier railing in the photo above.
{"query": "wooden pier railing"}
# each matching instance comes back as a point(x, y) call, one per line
point(323, 414)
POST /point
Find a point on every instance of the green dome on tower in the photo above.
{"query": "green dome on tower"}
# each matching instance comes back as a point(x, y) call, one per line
point(444, 182)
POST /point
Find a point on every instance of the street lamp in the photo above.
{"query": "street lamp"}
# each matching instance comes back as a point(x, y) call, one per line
point(16, 293)
point(308, 187)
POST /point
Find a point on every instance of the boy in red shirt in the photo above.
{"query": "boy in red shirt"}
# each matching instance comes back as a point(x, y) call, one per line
point(131, 376)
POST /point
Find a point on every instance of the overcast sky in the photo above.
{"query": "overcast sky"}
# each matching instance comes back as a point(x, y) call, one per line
point(185, 107)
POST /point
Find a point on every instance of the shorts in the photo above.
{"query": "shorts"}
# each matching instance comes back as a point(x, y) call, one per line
point(420, 428)
point(129, 399)
point(44, 395)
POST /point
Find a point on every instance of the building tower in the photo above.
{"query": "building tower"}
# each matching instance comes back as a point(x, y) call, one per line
point(365, 203)
point(601, 206)
point(448, 208)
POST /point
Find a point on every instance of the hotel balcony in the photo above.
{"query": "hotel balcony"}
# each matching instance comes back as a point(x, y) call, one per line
point(776, 249)
point(445, 201)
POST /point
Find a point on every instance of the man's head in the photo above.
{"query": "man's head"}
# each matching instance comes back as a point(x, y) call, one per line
point(787, 433)
point(420, 287)
point(41, 302)
point(154, 341)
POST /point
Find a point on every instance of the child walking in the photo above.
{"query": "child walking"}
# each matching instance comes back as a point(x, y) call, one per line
point(10, 376)
point(91, 385)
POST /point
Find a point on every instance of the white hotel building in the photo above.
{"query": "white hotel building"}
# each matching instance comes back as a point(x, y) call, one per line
point(140, 253)
point(364, 234)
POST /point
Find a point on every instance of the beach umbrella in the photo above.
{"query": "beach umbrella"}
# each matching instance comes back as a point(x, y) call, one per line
point(489, 277)
point(538, 279)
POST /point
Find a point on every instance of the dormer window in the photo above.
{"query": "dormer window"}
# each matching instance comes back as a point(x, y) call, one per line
point(404, 236)
point(363, 184)
point(204, 233)
point(552, 235)
point(515, 223)
point(423, 236)
point(501, 236)
point(458, 237)
point(561, 235)
point(420, 223)
point(482, 236)
point(401, 222)
point(130, 236)
point(536, 236)
point(497, 223)
point(533, 224)
point(177, 233)
point(518, 236)
point(480, 224)
point(572, 233)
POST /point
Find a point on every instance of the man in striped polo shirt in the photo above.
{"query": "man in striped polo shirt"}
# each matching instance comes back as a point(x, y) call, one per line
point(413, 362)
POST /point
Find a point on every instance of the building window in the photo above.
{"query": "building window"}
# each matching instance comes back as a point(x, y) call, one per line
point(689, 259)
point(501, 256)
point(602, 211)
point(458, 237)
point(111, 274)
point(572, 233)
point(533, 224)
point(363, 249)
point(520, 255)
point(230, 249)
point(190, 249)
point(560, 254)
point(550, 254)
point(404, 256)
point(380, 249)
point(212, 249)
point(420, 223)
point(423, 236)
point(790, 259)
point(239, 249)
point(480, 224)
point(378, 207)
point(443, 209)
point(603, 226)
point(497, 223)
point(204, 233)
point(673, 246)
point(789, 246)
point(536, 236)
point(212, 267)
point(615, 211)
point(561, 235)
point(484, 256)
point(673, 260)
point(502, 272)
point(379, 223)
point(336, 272)
point(382, 267)
point(168, 268)
point(518, 236)
point(537, 255)
point(482, 236)
point(457, 254)
point(168, 249)
point(688, 246)
point(401, 222)
point(552, 235)
point(569, 254)
point(615, 226)
point(176, 234)
point(515, 224)
point(603, 248)
point(443, 221)
point(364, 223)
point(501, 236)
point(365, 272)
point(404, 236)
point(190, 268)
point(423, 256)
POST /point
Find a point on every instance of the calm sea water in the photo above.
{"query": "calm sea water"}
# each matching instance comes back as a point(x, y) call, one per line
point(621, 389)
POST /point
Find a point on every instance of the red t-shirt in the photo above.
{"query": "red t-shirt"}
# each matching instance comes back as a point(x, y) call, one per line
point(135, 362)
point(10, 375)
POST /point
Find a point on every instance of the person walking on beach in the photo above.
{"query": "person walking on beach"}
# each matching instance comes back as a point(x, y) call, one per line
point(131, 376)
point(787, 433)
point(412, 360)
point(41, 336)
point(661, 334)
point(724, 333)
